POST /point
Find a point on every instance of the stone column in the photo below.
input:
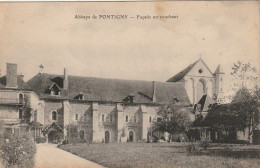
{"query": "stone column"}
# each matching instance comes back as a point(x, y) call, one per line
point(144, 122)
point(95, 121)
point(120, 121)
point(66, 116)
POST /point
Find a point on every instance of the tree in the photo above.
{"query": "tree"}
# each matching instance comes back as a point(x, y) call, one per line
point(246, 104)
point(243, 75)
point(174, 119)
point(246, 99)
point(242, 113)
point(26, 110)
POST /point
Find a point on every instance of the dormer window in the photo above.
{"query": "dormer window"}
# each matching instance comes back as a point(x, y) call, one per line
point(54, 89)
point(81, 96)
point(175, 100)
point(129, 98)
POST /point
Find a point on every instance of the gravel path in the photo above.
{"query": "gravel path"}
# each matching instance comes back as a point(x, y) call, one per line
point(49, 156)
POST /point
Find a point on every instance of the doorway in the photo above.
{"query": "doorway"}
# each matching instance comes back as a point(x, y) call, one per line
point(53, 137)
point(131, 136)
point(107, 137)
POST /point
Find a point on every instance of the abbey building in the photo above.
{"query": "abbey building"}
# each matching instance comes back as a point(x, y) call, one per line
point(106, 110)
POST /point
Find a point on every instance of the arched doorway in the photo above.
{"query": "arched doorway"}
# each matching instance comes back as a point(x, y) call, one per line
point(131, 136)
point(53, 137)
point(107, 137)
point(81, 135)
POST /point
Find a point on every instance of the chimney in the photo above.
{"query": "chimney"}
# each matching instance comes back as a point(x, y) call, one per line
point(154, 91)
point(65, 79)
point(11, 75)
point(21, 76)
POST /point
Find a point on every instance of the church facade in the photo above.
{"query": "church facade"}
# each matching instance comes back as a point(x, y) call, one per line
point(106, 110)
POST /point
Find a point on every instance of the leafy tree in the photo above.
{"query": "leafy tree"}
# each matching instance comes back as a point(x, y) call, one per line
point(174, 119)
point(245, 102)
point(72, 133)
point(27, 109)
point(246, 105)
point(243, 111)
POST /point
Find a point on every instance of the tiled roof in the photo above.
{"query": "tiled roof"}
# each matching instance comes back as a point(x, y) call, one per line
point(21, 84)
point(181, 74)
point(111, 90)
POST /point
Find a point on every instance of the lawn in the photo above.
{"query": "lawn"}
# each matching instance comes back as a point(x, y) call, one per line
point(128, 155)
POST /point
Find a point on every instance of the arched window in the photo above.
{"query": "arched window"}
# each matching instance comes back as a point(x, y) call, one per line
point(190, 89)
point(103, 117)
point(126, 118)
point(54, 115)
point(134, 118)
point(20, 98)
point(201, 89)
point(150, 119)
point(76, 117)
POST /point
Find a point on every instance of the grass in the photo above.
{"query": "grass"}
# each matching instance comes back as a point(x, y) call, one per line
point(153, 155)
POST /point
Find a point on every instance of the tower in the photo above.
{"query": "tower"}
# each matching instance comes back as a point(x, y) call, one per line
point(219, 75)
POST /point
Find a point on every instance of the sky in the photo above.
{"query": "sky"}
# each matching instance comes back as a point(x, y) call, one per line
point(47, 33)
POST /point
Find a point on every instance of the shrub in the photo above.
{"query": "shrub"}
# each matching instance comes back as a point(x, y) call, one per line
point(17, 150)
point(205, 143)
point(73, 134)
point(181, 137)
point(192, 148)
point(40, 140)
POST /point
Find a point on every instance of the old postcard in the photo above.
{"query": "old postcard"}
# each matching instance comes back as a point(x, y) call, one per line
point(129, 84)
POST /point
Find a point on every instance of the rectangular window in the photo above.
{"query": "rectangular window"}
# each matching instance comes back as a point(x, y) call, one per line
point(76, 117)
point(126, 118)
point(159, 119)
point(20, 114)
point(103, 117)
point(35, 116)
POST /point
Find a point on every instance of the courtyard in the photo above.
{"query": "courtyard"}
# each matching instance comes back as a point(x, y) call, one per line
point(153, 155)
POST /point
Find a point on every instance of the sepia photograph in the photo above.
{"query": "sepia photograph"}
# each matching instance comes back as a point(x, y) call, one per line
point(151, 84)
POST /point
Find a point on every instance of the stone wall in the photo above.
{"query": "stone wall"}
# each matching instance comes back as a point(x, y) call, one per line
point(9, 112)
point(51, 106)
point(95, 119)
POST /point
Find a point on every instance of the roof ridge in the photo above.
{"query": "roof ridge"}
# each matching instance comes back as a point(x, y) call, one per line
point(134, 80)
point(182, 73)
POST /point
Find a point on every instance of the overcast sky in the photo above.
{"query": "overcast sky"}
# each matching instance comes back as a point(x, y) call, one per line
point(48, 33)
